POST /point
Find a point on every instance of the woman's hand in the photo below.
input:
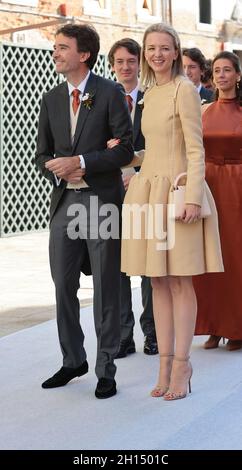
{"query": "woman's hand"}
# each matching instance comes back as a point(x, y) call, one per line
point(126, 181)
point(191, 213)
point(112, 143)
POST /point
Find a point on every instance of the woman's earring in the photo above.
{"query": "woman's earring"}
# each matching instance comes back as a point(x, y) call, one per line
point(237, 83)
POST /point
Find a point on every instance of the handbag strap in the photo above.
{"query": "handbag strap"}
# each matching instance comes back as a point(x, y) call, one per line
point(176, 181)
point(173, 135)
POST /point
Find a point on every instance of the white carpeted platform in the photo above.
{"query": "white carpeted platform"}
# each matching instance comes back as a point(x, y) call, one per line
point(72, 418)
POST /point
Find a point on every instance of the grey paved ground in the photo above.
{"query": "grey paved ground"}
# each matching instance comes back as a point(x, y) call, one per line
point(71, 417)
point(26, 288)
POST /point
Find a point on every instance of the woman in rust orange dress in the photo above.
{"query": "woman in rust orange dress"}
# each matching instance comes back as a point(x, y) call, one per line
point(220, 296)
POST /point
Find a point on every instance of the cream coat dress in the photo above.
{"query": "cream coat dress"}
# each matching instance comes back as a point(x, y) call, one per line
point(153, 244)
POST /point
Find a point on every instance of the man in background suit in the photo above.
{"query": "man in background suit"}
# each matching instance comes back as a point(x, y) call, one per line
point(124, 57)
point(77, 118)
point(194, 64)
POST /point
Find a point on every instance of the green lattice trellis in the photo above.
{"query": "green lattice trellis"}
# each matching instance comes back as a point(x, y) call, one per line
point(25, 74)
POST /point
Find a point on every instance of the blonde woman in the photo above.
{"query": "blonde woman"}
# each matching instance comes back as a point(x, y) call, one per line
point(197, 246)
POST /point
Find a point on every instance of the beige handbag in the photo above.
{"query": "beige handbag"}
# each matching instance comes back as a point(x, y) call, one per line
point(177, 192)
point(178, 198)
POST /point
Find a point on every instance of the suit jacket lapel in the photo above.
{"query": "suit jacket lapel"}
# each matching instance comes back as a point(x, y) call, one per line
point(84, 111)
point(201, 93)
point(64, 113)
point(137, 115)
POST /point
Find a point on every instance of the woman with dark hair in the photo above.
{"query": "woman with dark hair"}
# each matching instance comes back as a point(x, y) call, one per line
point(219, 297)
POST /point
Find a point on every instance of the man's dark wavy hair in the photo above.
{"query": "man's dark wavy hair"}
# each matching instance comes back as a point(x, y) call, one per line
point(131, 45)
point(86, 37)
point(196, 55)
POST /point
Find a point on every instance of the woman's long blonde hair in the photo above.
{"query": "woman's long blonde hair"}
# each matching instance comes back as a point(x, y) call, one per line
point(147, 77)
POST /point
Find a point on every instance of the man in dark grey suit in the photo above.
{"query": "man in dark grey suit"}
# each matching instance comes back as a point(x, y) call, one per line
point(77, 118)
point(194, 64)
point(124, 57)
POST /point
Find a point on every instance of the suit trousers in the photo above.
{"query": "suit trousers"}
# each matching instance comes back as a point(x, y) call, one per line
point(74, 229)
point(127, 315)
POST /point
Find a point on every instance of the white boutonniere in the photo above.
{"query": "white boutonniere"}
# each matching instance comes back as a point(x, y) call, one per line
point(141, 103)
point(87, 100)
point(203, 101)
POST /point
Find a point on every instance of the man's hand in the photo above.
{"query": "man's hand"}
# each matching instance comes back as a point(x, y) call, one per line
point(75, 176)
point(63, 166)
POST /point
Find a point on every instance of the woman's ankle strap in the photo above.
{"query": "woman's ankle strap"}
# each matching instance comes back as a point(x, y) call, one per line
point(166, 355)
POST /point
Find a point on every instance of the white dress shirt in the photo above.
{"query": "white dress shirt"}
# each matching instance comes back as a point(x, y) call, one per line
point(81, 88)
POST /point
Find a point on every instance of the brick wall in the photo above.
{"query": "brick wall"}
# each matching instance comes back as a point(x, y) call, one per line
point(111, 28)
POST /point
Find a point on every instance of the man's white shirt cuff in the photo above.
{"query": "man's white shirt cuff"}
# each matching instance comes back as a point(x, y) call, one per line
point(82, 162)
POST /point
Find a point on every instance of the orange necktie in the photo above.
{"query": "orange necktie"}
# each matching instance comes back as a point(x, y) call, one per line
point(129, 100)
point(76, 100)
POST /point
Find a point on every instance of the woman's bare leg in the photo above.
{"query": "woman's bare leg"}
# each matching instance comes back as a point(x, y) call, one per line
point(163, 316)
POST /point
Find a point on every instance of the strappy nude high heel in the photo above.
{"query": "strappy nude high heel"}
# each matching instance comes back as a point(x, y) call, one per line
point(177, 395)
point(161, 389)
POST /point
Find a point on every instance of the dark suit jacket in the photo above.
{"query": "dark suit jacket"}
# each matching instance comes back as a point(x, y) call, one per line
point(138, 138)
point(207, 95)
point(107, 118)
point(139, 141)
